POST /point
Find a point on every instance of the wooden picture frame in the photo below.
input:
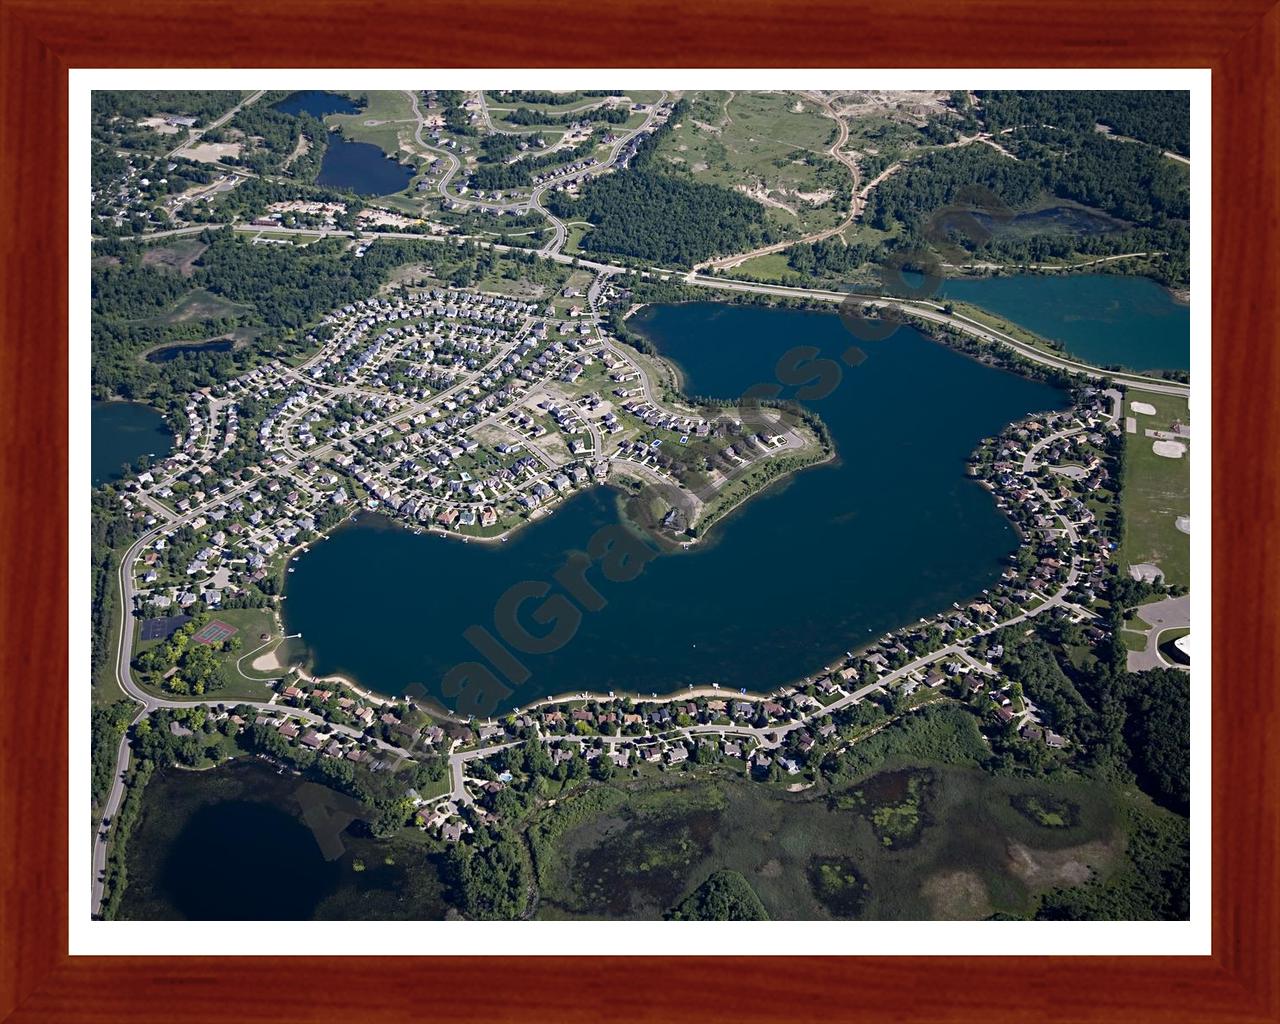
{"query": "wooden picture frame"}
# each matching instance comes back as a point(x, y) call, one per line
point(41, 39)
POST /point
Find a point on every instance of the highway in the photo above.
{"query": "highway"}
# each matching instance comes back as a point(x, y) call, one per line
point(923, 308)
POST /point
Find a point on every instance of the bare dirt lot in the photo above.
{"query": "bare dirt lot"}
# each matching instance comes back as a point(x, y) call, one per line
point(210, 152)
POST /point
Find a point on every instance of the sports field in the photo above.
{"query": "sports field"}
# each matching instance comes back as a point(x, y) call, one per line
point(1156, 492)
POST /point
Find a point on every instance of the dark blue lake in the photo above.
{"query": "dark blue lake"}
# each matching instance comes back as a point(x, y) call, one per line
point(843, 552)
point(1102, 319)
point(120, 432)
point(207, 840)
point(362, 168)
point(316, 103)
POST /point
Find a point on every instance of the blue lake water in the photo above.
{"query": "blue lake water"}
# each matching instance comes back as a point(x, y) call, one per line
point(1103, 319)
point(843, 552)
point(120, 432)
point(362, 168)
point(316, 103)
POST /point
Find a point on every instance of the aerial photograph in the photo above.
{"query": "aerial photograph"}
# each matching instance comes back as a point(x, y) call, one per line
point(640, 504)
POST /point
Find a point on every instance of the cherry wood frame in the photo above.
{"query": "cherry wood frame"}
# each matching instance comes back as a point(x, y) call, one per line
point(41, 39)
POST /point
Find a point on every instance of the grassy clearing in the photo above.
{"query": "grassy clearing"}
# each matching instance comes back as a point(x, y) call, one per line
point(764, 142)
point(1133, 641)
point(770, 267)
point(1157, 490)
point(392, 127)
point(198, 304)
point(177, 256)
point(1006, 326)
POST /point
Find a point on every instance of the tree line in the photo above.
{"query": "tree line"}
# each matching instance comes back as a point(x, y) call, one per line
point(1159, 117)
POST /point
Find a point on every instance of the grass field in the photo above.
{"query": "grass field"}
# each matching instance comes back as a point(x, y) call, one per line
point(761, 139)
point(1157, 490)
point(577, 231)
point(394, 124)
point(770, 267)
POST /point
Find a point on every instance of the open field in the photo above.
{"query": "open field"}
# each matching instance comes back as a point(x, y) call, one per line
point(210, 152)
point(1156, 491)
point(199, 304)
point(772, 267)
point(776, 153)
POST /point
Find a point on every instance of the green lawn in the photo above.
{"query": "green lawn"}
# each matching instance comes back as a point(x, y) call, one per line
point(250, 623)
point(105, 688)
point(770, 267)
point(395, 125)
point(1156, 490)
point(1133, 641)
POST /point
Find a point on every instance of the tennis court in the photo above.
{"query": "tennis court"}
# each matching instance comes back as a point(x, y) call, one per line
point(214, 633)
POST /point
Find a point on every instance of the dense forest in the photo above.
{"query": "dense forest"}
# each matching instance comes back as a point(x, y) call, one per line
point(664, 218)
point(279, 133)
point(110, 531)
point(135, 104)
point(547, 98)
point(1162, 118)
point(114, 115)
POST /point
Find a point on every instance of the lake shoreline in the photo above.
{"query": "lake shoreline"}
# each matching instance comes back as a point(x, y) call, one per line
point(798, 673)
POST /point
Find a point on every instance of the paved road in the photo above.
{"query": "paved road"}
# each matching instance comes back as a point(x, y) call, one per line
point(458, 759)
point(1170, 613)
point(922, 308)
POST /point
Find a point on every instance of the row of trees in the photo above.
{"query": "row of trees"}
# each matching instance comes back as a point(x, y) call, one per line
point(604, 115)
point(110, 530)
